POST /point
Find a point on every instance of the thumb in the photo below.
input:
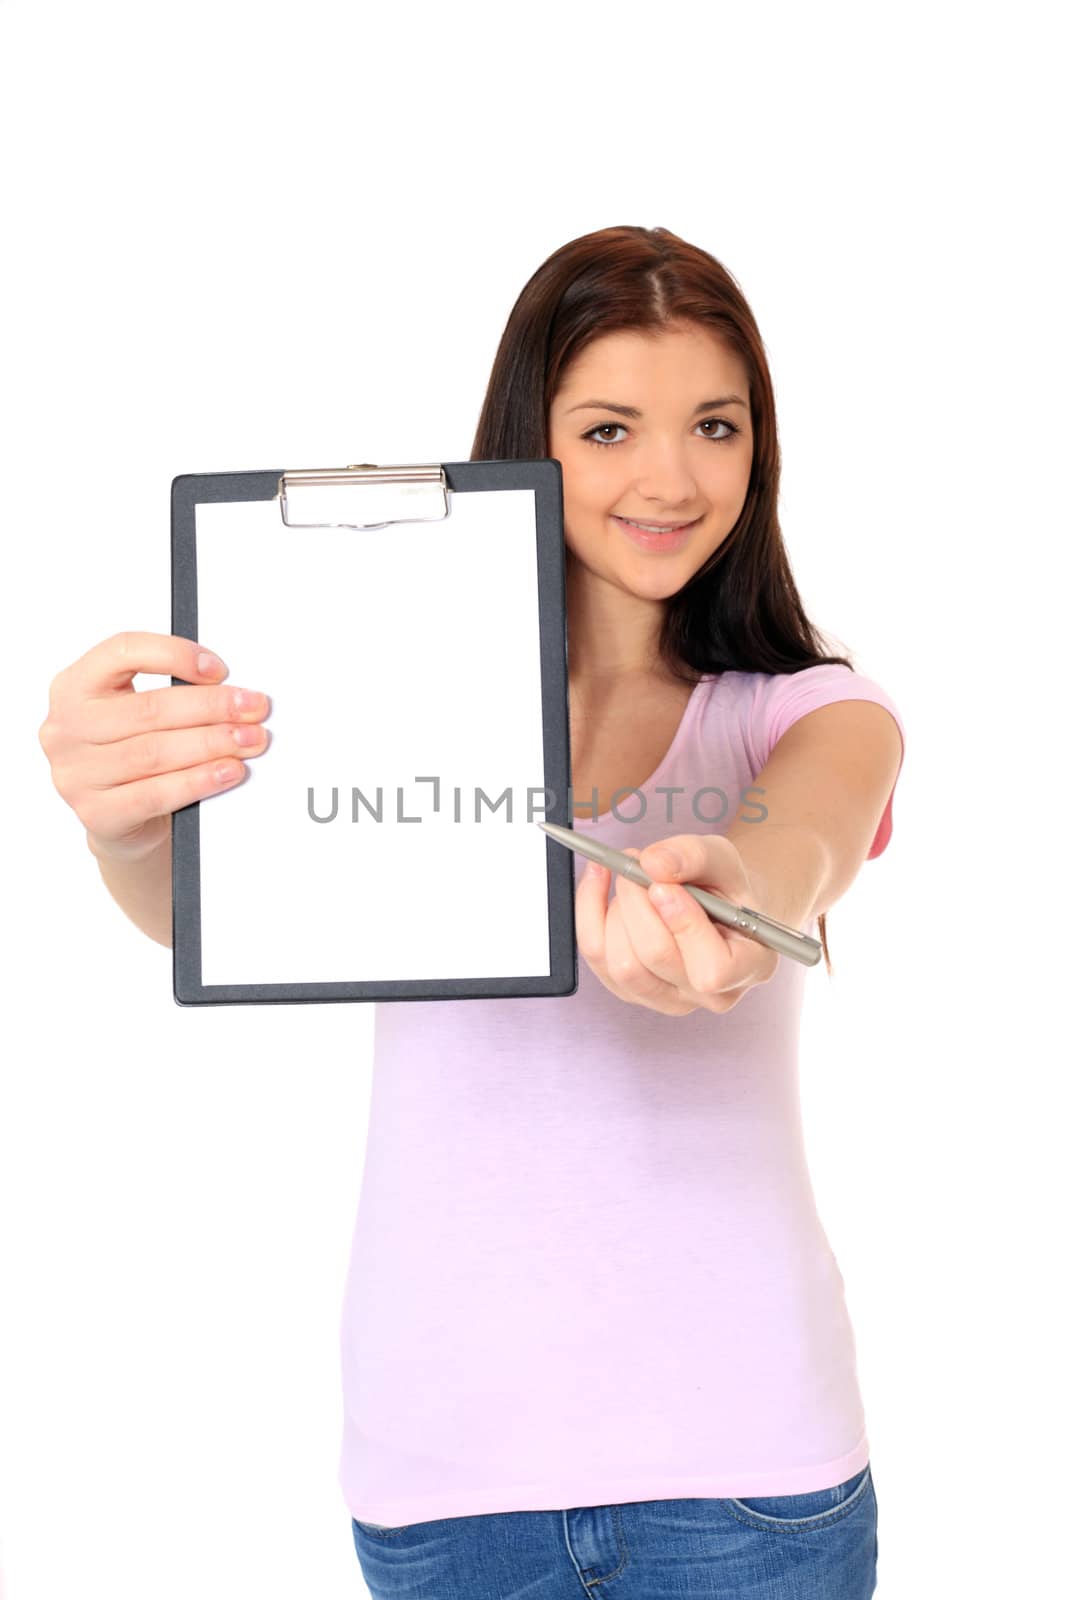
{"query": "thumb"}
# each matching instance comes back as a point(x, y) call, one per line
point(705, 859)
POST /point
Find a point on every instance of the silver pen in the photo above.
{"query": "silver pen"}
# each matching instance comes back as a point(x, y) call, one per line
point(753, 924)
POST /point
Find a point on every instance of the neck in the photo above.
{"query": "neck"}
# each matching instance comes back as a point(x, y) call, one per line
point(610, 634)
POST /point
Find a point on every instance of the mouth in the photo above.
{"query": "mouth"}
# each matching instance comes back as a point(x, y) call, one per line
point(664, 536)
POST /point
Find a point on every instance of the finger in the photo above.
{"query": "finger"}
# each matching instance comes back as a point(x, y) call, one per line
point(710, 862)
point(652, 942)
point(714, 965)
point(118, 811)
point(629, 975)
point(717, 961)
point(114, 662)
point(591, 919)
point(122, 715)
point(705, 859)
point(590, 913)
point(147, 755)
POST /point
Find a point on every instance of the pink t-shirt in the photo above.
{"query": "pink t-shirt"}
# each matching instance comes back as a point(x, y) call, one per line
point(587, 1265)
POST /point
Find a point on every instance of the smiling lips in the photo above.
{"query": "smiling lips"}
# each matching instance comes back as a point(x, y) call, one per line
point(661, 536)
point(655, 527)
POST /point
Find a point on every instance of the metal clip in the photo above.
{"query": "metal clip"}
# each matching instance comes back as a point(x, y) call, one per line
point(329, 497)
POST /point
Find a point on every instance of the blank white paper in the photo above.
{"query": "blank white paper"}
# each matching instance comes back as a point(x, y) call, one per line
point(403, 662)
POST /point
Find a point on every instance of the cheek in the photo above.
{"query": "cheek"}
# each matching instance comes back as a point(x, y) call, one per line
point(725, 487)
point(742, 473)
point(591, 480)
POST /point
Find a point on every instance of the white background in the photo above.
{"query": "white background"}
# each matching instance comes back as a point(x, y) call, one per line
point(238, 236)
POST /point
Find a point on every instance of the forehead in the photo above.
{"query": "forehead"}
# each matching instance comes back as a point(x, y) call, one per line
point(682, 353)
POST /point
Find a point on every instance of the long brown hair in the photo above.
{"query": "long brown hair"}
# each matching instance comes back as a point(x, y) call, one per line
point(742, 611)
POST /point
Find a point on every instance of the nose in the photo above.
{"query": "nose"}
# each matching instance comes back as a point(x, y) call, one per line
point(664, 475)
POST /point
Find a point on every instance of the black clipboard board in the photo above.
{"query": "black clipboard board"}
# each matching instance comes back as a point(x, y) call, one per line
point(397, 617)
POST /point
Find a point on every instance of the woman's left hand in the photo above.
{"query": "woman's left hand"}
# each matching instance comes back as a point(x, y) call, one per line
point(672, 957)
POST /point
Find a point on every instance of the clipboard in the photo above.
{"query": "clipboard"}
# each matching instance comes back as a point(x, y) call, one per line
point(409, 626)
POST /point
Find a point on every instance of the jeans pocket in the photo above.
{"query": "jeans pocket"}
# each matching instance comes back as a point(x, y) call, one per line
point(803, 1511)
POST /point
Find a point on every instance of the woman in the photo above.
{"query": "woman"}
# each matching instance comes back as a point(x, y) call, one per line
point(594, 1338)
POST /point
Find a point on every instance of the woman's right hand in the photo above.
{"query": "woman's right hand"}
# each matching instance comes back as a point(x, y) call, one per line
point(124, 760)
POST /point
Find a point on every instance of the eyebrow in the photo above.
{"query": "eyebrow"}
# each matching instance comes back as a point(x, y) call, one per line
point(632, 411)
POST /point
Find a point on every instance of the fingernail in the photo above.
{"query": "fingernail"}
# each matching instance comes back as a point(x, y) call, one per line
point(665, 861)
point(666, 902)
point(209, 665)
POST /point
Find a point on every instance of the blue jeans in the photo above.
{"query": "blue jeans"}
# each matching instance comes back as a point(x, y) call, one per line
point(817, 1546)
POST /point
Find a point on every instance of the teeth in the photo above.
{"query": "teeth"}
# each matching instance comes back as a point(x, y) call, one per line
point(648, 527)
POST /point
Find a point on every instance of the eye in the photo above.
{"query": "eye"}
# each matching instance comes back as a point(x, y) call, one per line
point(713, 422)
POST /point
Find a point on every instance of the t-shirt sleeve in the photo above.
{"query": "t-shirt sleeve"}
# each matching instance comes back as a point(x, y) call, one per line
point(780, 699)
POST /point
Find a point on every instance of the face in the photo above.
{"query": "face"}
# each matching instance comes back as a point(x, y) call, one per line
point(651, 449)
